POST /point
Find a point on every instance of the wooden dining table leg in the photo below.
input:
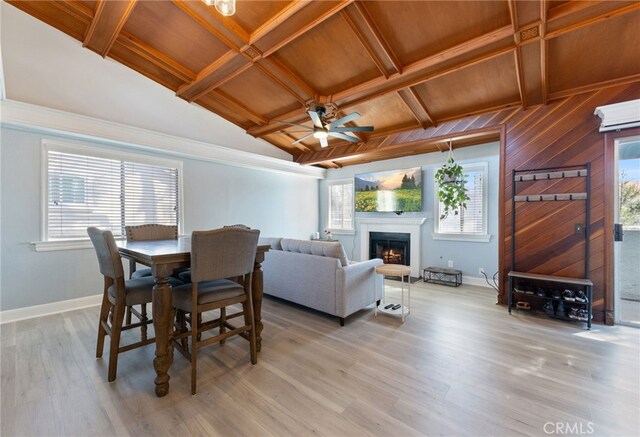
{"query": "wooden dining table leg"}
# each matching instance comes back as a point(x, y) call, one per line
point(163, 325)
point(257, 291)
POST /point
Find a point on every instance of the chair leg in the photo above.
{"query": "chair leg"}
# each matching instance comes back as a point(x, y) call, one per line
point(194, 351)
point(143, 328)
point(181, 327)
point(127, 318)
point(199, 323)
point(116, 328)
point(247, 307)
point(223, 319)
point(104, 315)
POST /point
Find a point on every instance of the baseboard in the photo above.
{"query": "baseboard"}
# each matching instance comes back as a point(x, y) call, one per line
point(474, 280)
point(49, 308)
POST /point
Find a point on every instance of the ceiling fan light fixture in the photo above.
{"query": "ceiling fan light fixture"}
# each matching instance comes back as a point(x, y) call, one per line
point(225, 7)
point(320, 133)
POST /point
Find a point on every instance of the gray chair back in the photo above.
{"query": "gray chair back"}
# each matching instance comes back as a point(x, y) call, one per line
point(107, 251)
point(151, 232)
point(222, 253)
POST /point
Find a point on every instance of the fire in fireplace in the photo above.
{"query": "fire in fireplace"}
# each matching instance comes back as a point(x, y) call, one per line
point(391, 247)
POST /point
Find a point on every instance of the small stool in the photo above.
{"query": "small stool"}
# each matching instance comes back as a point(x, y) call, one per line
point(393, 270)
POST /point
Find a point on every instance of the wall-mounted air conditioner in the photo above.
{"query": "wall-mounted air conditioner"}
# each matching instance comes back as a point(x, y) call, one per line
point(619, 115)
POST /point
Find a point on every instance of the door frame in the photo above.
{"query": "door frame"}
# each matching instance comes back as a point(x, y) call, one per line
point(610, 139)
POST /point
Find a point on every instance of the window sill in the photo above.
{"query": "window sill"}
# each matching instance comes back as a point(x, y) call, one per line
point(54, 245)
point(472, 238)
point(343, 231)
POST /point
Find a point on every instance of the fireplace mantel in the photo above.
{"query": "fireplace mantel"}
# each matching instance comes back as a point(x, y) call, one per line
point(409, 225)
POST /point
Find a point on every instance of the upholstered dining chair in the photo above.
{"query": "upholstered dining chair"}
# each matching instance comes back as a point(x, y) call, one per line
point(216, 256)
point(119, 293)
point(148, 232)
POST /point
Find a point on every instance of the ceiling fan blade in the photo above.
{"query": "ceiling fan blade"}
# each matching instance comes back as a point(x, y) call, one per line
point(343, 120)
point(317, 121)
point(352, 129)
point(303, 138)
point(344, 137)
point(324, 142)
point(293, 124)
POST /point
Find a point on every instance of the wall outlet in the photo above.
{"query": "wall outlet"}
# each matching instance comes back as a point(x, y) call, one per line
point(481, 270)
point(450, 263)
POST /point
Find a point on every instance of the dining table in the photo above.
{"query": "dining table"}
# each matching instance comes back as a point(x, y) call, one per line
point(164, 256)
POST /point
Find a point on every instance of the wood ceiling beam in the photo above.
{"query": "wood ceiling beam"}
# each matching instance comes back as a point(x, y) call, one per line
point(290, 81)
point(417, 107)
point(553, 17)
point(372, 149)
point(380, 86)
point(221, 82)
point(379, 37)
point(517, 53)
point(75, 9)
point(155, 57)
point(195, 15)
point(108, 21)
point(307, 27)
point(594, 87)
point(227, 100)
point(273, 23)
point(365, 44)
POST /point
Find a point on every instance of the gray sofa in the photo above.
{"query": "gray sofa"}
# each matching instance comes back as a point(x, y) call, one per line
point(318, 275)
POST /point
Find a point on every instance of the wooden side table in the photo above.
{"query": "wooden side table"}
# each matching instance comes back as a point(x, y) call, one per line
point(393, 270)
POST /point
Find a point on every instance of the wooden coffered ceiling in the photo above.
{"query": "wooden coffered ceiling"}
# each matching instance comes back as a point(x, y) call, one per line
point(421, 72)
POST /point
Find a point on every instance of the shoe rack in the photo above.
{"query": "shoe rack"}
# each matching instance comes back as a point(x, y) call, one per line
point(524, 285)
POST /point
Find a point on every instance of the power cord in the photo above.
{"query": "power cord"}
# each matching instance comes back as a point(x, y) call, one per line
point(495, 281)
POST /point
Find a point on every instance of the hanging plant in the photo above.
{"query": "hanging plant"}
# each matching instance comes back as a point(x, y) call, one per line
point(451, 186)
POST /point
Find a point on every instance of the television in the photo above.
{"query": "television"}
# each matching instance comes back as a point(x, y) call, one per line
point(389, 191)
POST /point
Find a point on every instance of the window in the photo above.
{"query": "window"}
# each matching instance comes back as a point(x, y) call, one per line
point(87, 187)
point(341, 206)
point(469, 223)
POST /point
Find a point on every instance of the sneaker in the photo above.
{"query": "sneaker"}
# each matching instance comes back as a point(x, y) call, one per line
point(574, 313)
point(556, 293)
point(581, 297)
point(569, 296)
point(541, 292)
point(530, 289)
point(583, 315)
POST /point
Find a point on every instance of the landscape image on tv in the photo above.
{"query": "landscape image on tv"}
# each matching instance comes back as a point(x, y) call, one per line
point(385, 191)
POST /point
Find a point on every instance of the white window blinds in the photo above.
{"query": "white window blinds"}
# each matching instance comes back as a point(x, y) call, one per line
point(341, 206)
point(472, 219)
point(88, 191)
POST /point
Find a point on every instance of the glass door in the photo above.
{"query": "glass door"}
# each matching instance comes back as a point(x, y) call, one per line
point(627, 231)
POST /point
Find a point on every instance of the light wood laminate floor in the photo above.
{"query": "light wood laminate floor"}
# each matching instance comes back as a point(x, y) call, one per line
point(459, 365)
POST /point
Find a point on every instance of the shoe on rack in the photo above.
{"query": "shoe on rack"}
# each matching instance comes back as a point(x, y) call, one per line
point(541, 292)
point(569, 296)
point(583, 315)
point(556, 293)
point(530, 289)
point(574, 313)
point(581, 297)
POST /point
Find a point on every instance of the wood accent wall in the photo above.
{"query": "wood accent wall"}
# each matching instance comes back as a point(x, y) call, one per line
point(564, 132)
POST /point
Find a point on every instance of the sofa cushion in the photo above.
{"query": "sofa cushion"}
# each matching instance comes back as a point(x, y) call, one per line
point(274, 243)
point(331, 249)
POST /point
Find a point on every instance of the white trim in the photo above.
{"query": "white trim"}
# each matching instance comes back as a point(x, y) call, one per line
point(52, 121)
point(53, 245)
point(472, 238)
point(409, 225)
point(618, 116)
point(474, 280)
point(344, 231)
point(49, 308)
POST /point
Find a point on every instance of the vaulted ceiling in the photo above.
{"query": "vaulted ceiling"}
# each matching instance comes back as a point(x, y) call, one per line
point(421, 72)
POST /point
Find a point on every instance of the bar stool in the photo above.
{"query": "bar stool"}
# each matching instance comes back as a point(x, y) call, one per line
point(393, 270)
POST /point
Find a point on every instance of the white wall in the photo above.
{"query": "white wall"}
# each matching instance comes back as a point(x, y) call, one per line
point(466, 256)
point(214, 195)
point(46, 67)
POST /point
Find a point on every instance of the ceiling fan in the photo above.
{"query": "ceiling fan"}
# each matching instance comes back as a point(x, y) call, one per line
point(322, 130)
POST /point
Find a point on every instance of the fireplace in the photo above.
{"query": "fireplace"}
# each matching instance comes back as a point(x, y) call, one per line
point(391, 247)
